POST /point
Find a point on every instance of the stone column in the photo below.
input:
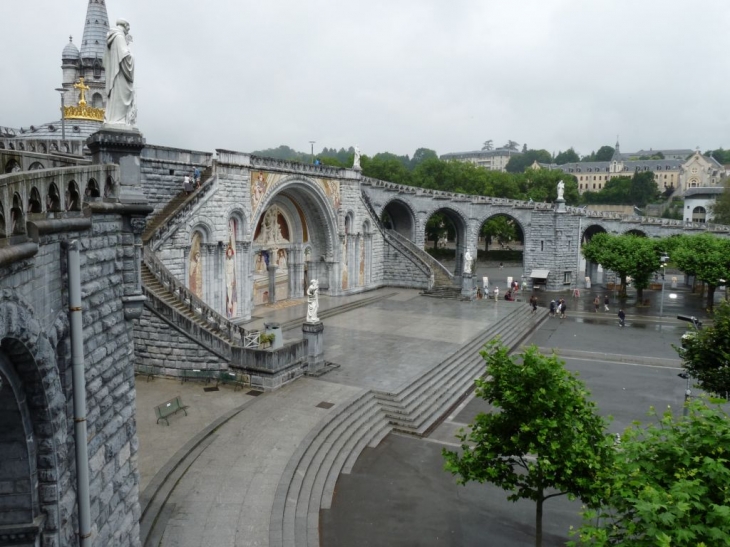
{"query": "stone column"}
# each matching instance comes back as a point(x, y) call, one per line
point(243, 278)
point(314, 335)
point(272, 281)
point(467, 286)
point(296, 272)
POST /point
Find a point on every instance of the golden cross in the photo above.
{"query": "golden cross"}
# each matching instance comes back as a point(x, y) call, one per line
point(83, 88)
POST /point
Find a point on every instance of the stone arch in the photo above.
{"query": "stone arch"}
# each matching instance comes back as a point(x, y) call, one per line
point(27, 359)
point(92, 189)
point(17, 216)
point(589, 231)
point(313, 206)
point(53, 198)
point(35, 166)
point(3, 226)
point(520, 234)
point(42, 148)
point(398, 215)
point(635, 232)
point(73, 197)
point(12, 166)
point(237, 213)
point(460, 225)
point(110, 188)
point(699, 214)
point(35, 205)
point(591, 269)
point(97, 101)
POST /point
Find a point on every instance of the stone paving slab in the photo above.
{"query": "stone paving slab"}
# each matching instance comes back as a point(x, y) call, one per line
point(158, 442)
point(227, 494)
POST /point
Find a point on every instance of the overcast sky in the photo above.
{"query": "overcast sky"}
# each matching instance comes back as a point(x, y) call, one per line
point(396, 75)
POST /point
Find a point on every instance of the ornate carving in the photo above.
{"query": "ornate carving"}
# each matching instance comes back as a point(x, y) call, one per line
point(138, 224)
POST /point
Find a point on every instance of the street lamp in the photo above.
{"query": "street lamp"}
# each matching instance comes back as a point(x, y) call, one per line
point(312, 144)
point(664, 259)
point(63, 113)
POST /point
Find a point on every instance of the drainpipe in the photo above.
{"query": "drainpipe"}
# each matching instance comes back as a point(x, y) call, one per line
point(79, 393)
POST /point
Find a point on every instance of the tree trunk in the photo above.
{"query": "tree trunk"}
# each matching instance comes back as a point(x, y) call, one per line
point(710, 296)
point(639, 296)
point(623, 285)
point(538, 520)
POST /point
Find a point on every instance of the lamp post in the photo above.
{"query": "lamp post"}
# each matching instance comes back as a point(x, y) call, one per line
point(664, 259)
point(312, 145)
point(63, 113)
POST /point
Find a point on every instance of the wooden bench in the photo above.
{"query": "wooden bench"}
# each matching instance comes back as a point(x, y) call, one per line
point(145, 370)
point(197, 374)
point(226, 377)
point(168, 408)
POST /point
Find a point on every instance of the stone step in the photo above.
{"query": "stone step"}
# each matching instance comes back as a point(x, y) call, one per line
point(474, 344)
point(287, 491)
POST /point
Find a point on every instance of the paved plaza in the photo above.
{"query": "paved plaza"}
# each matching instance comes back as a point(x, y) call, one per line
point(397, 493)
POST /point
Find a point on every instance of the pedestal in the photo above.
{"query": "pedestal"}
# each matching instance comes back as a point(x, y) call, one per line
point(314, 335)
point(275, 329)
point(123, 147)
point(560, 206)
point(467, 286)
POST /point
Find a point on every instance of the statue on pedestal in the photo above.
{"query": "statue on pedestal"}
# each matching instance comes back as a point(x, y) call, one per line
point(313, 302)
point(356, 160)
point(467, 262)
point(561, 189)
point(119, 66)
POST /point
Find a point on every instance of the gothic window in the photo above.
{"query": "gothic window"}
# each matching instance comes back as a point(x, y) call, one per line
point(53, 199)
point(34, 203)
point(97, 101)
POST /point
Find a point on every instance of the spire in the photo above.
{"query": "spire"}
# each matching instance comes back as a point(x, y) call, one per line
point(95, 28)
point(616, 152)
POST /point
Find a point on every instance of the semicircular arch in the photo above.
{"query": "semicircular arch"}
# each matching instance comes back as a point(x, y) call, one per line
point(402, 217)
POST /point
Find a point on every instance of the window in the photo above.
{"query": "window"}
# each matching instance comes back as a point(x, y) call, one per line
point(567, 278)
point(542, 243)
point(594, 185)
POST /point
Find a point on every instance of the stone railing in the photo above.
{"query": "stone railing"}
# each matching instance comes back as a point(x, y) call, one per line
point(241, 159)
point(212, 319)
point(172, 220)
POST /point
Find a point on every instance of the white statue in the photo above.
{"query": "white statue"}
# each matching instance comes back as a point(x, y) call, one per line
point(356, 160)
point(467, 262)
point(119, 68)
point(313, 302)
point(561, 188)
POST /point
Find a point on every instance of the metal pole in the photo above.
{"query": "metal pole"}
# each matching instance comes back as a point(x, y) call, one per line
point(79, 393)
point(661, 306)
point(312, 144)
point(63, 113)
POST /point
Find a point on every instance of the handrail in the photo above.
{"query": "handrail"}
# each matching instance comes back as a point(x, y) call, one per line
point(433, 264)
point(166, 227)
point(212, 319)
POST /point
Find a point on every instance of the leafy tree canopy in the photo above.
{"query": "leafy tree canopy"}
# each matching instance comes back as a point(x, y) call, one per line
point(723, 156)
point(707, 257)
point(721, 207)
point(669, 484)
point(545, 437)
point(542, 185)
point(706, 353)
point(605, 153)
point(569, 156)
point(500, 227)
point(518, 163)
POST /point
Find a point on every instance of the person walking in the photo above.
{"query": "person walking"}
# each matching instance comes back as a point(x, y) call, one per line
point(552, 308)
point(621, 318)
point(533, 303)
point(501, 265)
point(596, 303)
point(605, 302)
point(562, 308)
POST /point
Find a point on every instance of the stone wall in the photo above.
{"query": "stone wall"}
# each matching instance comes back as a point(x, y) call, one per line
point(35, 350)
point(399, 270)
point(159, 344)
point(552, 244)
point(163, 170)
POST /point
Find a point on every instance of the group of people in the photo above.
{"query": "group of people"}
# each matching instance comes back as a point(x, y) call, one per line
point(558, 308)
point(192, 181)
point(597, 303)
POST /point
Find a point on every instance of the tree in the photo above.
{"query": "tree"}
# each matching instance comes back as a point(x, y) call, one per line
point(605, 153)
point(500, 227)
point(721, 208)
point(707, 257)
point(627, 255)
point(511, 145)
point(542, 185)
point(668, 484)
point(488, 145)
point(706, 353)
point(389, 168)
point(544, 439)
point(643, 188)
point(519, 162)
point(438, 226)
point(421, 155)
point(569, 156)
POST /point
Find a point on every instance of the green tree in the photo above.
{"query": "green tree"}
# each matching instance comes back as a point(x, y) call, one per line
point(389, 168)
point(643, 189)
point(721, 208)
point(488, 145)
point(421, 155)
point(542, 185)
point(627, 255)
point(706, 353)
point(569, 156)
point(438, 226)
point(519, 162)
point(668, 484)
point(605, 153)
point(723, 156)
point(544, 439)
point(707, 257)
point(500, 227)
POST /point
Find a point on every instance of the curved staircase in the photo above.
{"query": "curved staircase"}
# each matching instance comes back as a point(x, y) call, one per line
point(309, 482)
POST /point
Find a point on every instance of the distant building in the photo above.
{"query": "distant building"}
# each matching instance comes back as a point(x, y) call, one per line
point(669, 154)
point(491, 160)
point(697, 171)
point(698, 203)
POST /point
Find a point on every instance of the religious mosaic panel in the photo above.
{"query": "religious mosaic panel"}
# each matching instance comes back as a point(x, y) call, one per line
point(231, 293)
point(195, 266)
